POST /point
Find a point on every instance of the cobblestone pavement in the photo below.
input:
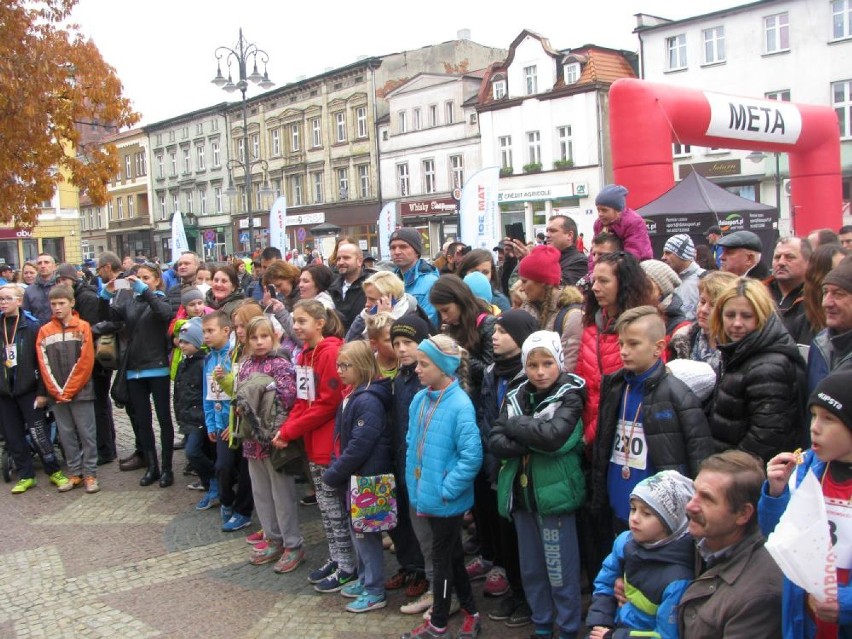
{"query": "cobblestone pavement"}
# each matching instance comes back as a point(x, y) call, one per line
point(133, 562)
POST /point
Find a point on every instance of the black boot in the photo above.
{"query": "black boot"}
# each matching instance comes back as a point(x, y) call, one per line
point(153, 473)
point(167, 478)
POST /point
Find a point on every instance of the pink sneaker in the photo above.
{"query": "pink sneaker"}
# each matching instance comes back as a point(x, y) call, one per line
point(496, 584)
point(255, 537)
point(478, 568)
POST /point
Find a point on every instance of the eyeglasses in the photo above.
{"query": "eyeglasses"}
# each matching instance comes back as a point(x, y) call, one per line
point(344, 366)
point(6, 300)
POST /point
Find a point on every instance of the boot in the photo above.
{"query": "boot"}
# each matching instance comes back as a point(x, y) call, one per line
point(153, 473)
point(167, 478)
point(132, 462)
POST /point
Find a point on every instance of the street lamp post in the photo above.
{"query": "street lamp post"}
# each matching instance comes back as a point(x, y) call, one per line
point(240, 55)
point(760, 156)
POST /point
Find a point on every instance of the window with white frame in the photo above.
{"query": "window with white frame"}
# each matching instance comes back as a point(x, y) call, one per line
point(187, 161)
point(119, 207)
point(505, 144)
point(164, 214)
point(255, 145)
point(294, 137)
point(276, 187)
point(565, 142)
point(433, 115)
point(275, 142)
point(190, 204)
point(429, 181)
point(214, 124)
point(418, 119)
point(841, 100)
point(361, 121)
point(681, 150)
point(340, 126)
point(316, 133)
point(531, 79)
point(217, 199)
point(199, 128)
point(714, 45)
point(402, 122)
point(781, 96)
point(184, 132)
point(776, 33)
point(200, 162)
point(364, 180)
point(841, 18)
point(457, 171)
point(499, 87)
point(676, 52)
point(128, 170)
point(534, 147)
point(202, 201)
point(241, 149)
point(342, 184)
point(110, 211)
point(449, 112)
point(402, 179)
point(572, 72)
point(140, 164)
point(217, 157)
point(296, 190)
point(130, 207)
point(175, 202)
point(243, 199)
point(161, 168)
point(319, 192)
point(173, 162)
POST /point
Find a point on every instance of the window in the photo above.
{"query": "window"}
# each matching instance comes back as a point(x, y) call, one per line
point(184, 132)
point(342, 184)
point(173, 162)
point(244, 199)
point(449, 112)
point(572, 72)
point(119, 203)
point(402, 121)
point(217, 158)
point(161, 169)
point(841, 18)
point(187, 161)
point(361, 120)
point(241, 149)
point(681, 150)
point(534, 147)
point(402, 178)
point(255, 145)
point(110, 211)
point(199, 128)
point(457, 171)
point(214, 125)
point(276, 142)
point(316, 133)
point(781, 96)
point(200, 162)
point(164, 214)
point(676, 52)
point(433, 115)
point(128, 170)
point(189, 202)
point(429, 183)
point(499, 89)
point(505, 144)
point(340, 126)
point(565, 150)
point(318, 190)
point(296, 190)
point(714, 45)
point(531, 80)
point(140, 164)
point(418, 120)
point(202, 201)
point(294, 137)
point(364, 180)
point(776, 30)
point(841, 99)
point(130, 207)
point(175, 203)
point(217, 198)
point(159, 139)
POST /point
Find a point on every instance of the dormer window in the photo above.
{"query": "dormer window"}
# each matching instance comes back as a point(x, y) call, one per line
point(572, 72)
point(499, 86)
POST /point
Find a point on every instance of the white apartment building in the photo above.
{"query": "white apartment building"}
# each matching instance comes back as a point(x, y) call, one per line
point(544, 120)
point(795, 50)
point(428, 148)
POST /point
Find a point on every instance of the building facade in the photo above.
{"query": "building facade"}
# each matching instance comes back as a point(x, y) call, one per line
point(128, 214)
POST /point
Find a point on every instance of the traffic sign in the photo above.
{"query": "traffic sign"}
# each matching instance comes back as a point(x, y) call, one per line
point(301, 233)
point(244, 237)
point(209, 236)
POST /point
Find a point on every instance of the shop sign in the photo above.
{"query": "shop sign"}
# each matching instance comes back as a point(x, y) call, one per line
point(711, 169)
point(306, 218)
point(14, 234)
point(438, 206)
point(537, 193)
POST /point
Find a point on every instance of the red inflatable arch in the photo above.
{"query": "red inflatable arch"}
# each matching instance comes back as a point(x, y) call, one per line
point(645, 117)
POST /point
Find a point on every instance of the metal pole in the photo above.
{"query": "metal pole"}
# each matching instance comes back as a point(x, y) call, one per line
point(778, 182)
point(247, 171)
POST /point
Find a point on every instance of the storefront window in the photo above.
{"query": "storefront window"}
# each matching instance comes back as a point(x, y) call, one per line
point(54, 246)
point(30, 250)
point(9, 252)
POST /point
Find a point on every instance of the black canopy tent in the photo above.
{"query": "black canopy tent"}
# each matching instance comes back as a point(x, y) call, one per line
point(695, 203)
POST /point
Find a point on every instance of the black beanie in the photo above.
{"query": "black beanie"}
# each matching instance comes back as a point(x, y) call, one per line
point(411, 326)
point(518, 324)
point(834, 394)
point(840, 275)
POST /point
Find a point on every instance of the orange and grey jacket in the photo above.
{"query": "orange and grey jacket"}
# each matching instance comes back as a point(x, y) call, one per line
point(66, 356)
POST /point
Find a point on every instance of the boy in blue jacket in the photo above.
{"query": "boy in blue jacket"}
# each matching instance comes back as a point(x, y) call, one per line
point(656, 560)
point(830, 459)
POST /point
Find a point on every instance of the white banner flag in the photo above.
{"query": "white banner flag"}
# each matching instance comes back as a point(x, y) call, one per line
point(479, 212)
point(278, 225)
point(179, 243)
point(387, 225)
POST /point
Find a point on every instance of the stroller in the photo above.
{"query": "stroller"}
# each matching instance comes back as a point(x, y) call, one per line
point(41, 438)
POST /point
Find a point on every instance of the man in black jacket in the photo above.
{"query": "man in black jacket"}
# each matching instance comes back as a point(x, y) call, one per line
point(347, 288)
point(187, 268)
point(561, 233)
point(789, 263)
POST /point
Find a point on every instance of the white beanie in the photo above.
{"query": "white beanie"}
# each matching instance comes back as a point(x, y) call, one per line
point(548, 340)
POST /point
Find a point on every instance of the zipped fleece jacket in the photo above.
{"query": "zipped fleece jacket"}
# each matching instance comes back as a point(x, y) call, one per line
point(66, 358)
point(23, 378)
point(418, 281)
point(216, 420)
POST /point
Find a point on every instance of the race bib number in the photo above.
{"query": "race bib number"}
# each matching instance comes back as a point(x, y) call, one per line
point(840, 528)
point(629, 448)
point(11, 355)
point(305, 383)
point(214, 391)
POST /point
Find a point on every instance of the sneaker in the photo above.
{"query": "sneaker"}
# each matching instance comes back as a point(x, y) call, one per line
point(322, 572)
point(226, 512)
point(455, 606)
point(425, 631)
point(71, 484)
point(470, 546)
point(308, 500)
point(58, 479)
point(401, 579)
point(521, 616)
point(91, 484)
point(196, 485)
point(207, 501)
point(236, 522)
point(24, 485)
point(269, 552)
point(478, 568)
point(471, 626)
point(353, 590)
point(366, 603)
point(387, 542)
point(496, 584)
point(290, 560)
point(417, 586)
point(335, 581)
point(419, 605)
point(255, 537)
point(505, 607)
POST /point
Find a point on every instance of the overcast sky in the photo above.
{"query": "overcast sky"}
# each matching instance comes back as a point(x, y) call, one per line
point(163, 49)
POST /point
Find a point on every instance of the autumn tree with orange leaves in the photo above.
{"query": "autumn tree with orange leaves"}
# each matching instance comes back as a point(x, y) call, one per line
point(54, 85)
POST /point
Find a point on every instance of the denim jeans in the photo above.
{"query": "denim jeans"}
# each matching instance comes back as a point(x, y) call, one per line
point(196, 454)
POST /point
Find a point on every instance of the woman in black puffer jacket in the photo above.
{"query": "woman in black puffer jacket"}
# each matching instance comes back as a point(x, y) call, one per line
point(759, 405)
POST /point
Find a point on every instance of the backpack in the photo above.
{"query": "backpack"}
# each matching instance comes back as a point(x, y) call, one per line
point(108, 351)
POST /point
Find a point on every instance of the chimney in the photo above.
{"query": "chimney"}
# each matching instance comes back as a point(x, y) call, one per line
point(463, 34)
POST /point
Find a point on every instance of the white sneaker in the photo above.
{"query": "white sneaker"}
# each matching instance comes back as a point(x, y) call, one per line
point(421, 604)
point(455, 606)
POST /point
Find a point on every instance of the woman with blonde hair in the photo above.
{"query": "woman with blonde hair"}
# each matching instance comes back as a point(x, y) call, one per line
point(760, 397)
point(384, 291)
